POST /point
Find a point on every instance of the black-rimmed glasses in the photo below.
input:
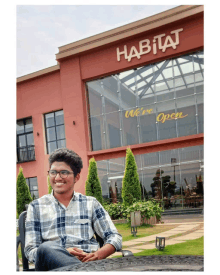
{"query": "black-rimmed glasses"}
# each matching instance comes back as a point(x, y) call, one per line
point(63, 174)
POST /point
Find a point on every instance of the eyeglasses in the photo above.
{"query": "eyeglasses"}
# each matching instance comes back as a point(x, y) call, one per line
point(63, 174)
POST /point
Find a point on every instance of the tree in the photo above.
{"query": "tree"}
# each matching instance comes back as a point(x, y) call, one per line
point(23, 192)
point(131, 189)
point(93, 185)
point(49, 186)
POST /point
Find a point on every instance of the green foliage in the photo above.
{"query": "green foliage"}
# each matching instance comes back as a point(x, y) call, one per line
point(131, 189)
point(148, 209)
point(49, 186)
point(93, 185)
point(23, 193)
point(116, 210)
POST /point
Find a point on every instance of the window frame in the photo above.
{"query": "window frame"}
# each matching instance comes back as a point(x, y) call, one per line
point(55, 126)
point(27, 146)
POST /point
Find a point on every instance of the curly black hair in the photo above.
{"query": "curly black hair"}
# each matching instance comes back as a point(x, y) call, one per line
point(69, 157)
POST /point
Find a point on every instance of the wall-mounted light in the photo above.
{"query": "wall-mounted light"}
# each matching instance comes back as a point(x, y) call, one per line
point(38, 134)
point(74, 123)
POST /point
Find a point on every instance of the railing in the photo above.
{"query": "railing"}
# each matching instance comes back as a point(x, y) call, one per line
point(26, 154)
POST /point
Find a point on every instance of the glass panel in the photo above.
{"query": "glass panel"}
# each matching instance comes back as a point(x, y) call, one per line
point(105, 186)
point(97, 130)
point(200, 106)
point(172, 193)
point(117, 165)
point(51, 135)
point(49, 120)
point(148, 123)
point(192, 182)
point(185, 92)
point(35, 193)
point(30, 139)
point(130, 132)
point(150, 159)
point(189, 153)
point(95, 99)
point(28, 125)
point(61, 143)
point(186, 122)
point(20, 127)
point(31, 153)
point(169, 156)
point(110, 86)
point(22, 154)
point(113, 127)
point(166, 119)
point(128, 96)
point(102, 167)
point(60, 132)
point(21, 141)
point(52, 146)
point(33, 183)
point(59, 117)
point(152, 183)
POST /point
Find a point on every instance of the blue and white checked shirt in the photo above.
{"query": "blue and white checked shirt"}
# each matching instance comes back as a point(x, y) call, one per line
point(72, 226)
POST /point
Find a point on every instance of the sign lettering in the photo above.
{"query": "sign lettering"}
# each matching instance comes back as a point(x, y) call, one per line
point(160, 118)
point(171, 40)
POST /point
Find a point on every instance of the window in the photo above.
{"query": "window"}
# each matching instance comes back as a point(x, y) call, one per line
point(149, 103)
point(33, 187)
point(25, 140)
point(55, 131)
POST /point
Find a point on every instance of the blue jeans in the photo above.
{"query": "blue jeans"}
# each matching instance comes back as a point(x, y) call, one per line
point(51, 255)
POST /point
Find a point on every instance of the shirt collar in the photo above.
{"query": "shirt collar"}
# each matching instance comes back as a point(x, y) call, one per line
point(56, 200)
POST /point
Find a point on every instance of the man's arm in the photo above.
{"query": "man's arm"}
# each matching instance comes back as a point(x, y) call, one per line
point(33, 237)
point(106, 229)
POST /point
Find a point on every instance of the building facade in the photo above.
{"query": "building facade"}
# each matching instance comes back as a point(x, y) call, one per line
point(137, 86)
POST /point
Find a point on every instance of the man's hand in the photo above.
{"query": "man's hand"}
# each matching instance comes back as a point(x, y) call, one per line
point(94, 256)
point(78, 253)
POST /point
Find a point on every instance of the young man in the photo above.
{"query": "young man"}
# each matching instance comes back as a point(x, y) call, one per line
point(60, 226)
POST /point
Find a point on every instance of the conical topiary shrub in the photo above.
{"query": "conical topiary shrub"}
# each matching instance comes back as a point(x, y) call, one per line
point(93, 186)
point(23, 193)
point(49, 186)
point(131, 189)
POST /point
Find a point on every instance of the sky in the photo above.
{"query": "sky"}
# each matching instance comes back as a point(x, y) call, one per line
point(41, 29)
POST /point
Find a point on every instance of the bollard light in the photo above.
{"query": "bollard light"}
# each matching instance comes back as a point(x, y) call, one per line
point(134, 230)
point(160, 243)
point(135, 221)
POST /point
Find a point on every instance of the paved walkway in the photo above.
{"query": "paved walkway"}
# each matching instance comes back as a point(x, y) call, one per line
point(189, 230)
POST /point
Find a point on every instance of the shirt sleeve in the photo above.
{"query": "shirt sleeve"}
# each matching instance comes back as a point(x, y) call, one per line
point(33, 237)
point(104, 226)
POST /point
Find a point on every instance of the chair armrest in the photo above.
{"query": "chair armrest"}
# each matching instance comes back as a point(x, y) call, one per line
point(126, 253)
point(18, 241)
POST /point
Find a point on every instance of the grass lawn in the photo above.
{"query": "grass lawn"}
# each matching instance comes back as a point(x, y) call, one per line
point(191, 247)
point(142, 231)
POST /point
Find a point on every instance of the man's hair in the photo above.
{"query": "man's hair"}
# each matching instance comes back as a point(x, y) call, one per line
point(69, 157)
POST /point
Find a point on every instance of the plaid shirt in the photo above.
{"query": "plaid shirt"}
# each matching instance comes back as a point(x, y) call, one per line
point(72, 226)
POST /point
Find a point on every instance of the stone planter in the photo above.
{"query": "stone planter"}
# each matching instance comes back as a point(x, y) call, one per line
point(136, 218)
point(152, 220)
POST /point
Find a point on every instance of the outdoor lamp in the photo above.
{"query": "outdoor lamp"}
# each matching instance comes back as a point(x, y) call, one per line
point(135, 222)
point(160, 243)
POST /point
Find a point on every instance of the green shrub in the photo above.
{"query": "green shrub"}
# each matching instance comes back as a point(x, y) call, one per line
point(148, 209)
point(93, 185)
point(49, 186)
point(116, 210)
point(131, 189)
point(23, 193)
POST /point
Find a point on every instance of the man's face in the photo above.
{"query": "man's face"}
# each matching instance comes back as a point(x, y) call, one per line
point(63, 186)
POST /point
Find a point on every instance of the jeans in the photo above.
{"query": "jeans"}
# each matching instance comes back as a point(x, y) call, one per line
point(51, 255)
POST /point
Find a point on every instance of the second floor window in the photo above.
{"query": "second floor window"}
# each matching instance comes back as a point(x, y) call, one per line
point(33, 187)
point(25, 140)
point(55, 131)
